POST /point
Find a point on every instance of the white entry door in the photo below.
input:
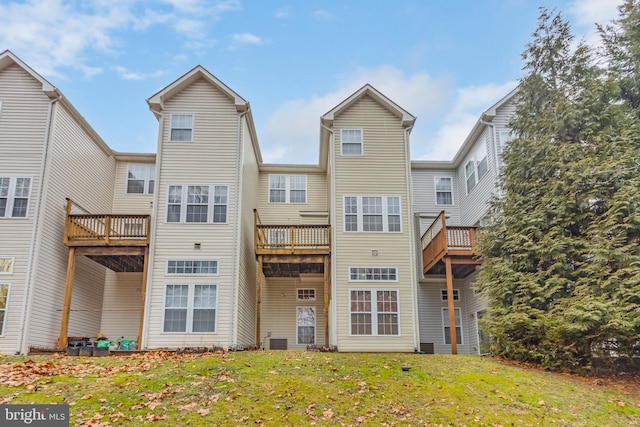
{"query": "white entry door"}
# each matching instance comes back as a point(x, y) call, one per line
point(306, 325)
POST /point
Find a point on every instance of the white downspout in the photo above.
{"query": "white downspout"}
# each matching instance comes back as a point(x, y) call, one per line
point(412, 240)
point(152, 237)
point(36, 238)
point(333, 221)
point(236, 250)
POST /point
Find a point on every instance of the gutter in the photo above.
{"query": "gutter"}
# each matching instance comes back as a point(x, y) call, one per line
point(332, 309)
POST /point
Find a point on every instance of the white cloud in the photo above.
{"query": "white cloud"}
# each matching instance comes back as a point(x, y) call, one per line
point(247, 38)
point(126, 74)
point(469, 104)
point(295, 126)
point(323, 15)
point(282, 12)
point(588, 13)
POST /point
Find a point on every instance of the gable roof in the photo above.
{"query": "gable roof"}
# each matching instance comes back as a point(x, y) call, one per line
point(156, 101)
point(407, 118)
point(7, 58)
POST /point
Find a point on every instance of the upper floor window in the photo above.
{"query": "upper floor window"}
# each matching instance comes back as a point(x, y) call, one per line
point(476, 167)
point(444, 191)
point(372, 213)
point(6, 265)
point(14, 197)
point(196, 267)
point(373, 274)
point(287, 189)
point(197, 203)
point(470, 174)
point(181, 128)
point(140, 178)
point(351, 142)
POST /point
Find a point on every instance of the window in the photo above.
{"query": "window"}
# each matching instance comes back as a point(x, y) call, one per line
point(482, 167)
point(140, 178)
point(444, 191)
point(305, 325)
point(14, 197)
point(380, 318)
point(445, 295)
point(470, 173)
point(193, 267)
point(181, 128)
point(4, 299)
point(351, 142)
point(6, 265)
point(372, 213)
point(447, 329)
point(373, 274)
point(306, 294)
point(190, 308)
point(287, 189)
point(192, 203)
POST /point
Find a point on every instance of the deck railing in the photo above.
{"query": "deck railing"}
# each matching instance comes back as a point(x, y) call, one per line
point(85, 229)
point(291, 239)
point(441, 239)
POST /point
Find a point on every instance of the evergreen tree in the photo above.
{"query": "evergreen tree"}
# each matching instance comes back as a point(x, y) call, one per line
point(561, 265)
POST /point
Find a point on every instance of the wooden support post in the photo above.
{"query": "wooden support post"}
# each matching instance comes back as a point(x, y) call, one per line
point(66, 307)
point(451, 308)
point(326, 300)
point(258, 299)
point(67, 222)
point(143, 296)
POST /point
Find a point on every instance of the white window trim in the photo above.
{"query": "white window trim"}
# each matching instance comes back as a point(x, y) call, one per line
point(361, 142)
point(287, 189)
point(183, 203)
point(11, 197)
point(374, 312)
point(315, 324)
point(435, 190)
point(305, 289)
point(147, 179)
point(13, 260)
point(193, 274)
point(190, 308)
point(6, 308)
point(456, 293)
point(372, 281)
point(360, 213)
point(193, 125)
point(444, 325)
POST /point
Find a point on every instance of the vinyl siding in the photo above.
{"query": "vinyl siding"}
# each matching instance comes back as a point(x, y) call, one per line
point(382, 170)
point(209, 159)
point(289, 213)
point(430, 305)
point(23, 121)
point(473, 205)
point(246, 302)
point(279, 302)
point(79, 169)
point(121, 305)
point(424, 194)
point(123, 203)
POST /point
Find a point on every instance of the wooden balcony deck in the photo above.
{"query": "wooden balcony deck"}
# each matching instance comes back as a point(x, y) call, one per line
point(457, 242)
point(106, 230)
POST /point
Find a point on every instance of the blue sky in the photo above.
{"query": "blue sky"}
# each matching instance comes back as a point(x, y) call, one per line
point(445, 61)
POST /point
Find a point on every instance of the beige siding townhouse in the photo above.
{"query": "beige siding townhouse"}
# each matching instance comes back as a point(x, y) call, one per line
point(202, 244)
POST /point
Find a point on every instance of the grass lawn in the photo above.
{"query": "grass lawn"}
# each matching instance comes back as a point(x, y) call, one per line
point(306, 388)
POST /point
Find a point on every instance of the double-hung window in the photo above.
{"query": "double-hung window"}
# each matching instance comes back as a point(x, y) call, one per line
point(444, 191)
point(374, 312)
point(447, 328)
point(197, 203)
point(4, 302)
point(140, 178)
point(372, 213)
point(190, 308)
point(470, 174)
point(351, 142)
point(181, 129)
point(14, 197)
point(287, 189)
point(476, 166)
